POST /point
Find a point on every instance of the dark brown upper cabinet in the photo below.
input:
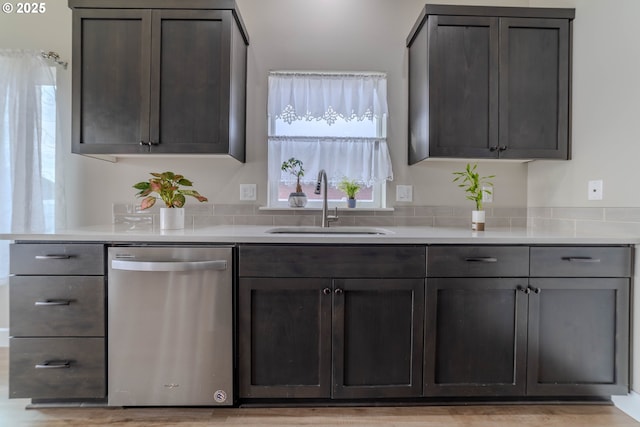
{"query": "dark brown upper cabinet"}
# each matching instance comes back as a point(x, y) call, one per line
point(490, 82)
point(158, 77)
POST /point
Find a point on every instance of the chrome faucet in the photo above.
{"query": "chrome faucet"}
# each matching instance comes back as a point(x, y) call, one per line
point(326, 219)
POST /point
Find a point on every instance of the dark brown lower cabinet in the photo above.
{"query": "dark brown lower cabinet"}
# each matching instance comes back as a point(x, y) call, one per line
point(284, 337)
point(476, 337)
point(549, 337)
point(377, 338)
point(323, 338)
point(578, 337)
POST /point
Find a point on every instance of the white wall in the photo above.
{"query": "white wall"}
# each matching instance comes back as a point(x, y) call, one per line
point(285, 34)
point(606, 111)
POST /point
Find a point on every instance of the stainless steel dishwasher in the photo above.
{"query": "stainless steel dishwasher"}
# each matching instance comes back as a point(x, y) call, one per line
point(170, 339)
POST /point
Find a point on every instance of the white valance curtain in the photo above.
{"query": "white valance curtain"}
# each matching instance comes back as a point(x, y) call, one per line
point(325, 96)
point(309, 96)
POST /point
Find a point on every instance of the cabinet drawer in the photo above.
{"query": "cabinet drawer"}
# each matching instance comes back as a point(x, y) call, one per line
point(581, 261)
point(56, 259)
point(331, 261)
point(52, 368)
point(478, 261)
point(45, 306)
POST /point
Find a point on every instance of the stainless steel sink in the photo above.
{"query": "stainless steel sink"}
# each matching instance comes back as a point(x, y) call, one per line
point(328, 230)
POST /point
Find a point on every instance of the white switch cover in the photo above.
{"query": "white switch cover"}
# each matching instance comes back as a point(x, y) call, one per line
point(595, 190)
point(404, 193)
point(487, 197)
point(248, 191)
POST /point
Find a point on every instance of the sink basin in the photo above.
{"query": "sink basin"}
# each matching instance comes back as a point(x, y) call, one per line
point(328, 230)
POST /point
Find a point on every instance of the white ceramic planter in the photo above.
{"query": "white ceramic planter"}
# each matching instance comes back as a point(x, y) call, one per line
point(477, 220)
point(171, 218)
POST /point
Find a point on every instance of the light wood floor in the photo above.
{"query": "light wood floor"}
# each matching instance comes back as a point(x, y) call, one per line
point(14, 414)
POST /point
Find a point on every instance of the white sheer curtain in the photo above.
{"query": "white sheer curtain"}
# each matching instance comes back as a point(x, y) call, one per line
point(27, 169)
point(329, 97)
point(323, 96)
point(365, 160)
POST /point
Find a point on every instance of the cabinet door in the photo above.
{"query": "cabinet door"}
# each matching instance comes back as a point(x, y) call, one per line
point(377, 338)
point(110, 80)
point(284, 338)
point(578, 337)
point(190, 81)
point(463, 86)
point(534, 88)
point(476, 337)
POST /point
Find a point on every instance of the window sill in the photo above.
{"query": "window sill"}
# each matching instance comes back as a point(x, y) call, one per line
point(341, 208)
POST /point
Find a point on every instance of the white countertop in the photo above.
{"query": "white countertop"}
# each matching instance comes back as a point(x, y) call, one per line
point(257, 234)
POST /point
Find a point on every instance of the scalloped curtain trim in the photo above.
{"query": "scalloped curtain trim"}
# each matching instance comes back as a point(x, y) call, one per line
point(327, 96)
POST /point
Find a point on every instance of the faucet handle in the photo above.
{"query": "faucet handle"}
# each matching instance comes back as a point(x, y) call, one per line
point(333, 217)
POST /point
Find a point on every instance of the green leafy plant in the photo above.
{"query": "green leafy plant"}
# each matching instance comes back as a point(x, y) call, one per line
point(294, 167)
point(349, 187)
point(472, 183)
point(167, 186)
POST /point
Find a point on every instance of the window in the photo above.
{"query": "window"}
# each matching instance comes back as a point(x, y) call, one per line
point(330, 121)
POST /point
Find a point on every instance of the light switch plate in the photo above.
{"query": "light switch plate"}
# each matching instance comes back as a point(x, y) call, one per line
point(404, 193)
point(248, 191)
point(487, 197)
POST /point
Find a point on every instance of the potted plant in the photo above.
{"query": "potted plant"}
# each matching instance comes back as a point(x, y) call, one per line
point(298, 199)
point(350, 188)
point(473, 184)
point(167, 187)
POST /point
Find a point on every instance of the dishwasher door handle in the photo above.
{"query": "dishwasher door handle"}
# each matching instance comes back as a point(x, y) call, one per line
point(119, 264)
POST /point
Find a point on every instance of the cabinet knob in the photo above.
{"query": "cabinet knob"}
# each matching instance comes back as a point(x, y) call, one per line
point(525, 290)
point(535, 290)
point(502, 148)
point(338, 291)
point(326, 291)
point(493, 148)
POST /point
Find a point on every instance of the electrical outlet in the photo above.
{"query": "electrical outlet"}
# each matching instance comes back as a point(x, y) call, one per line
point(595, 190)
point(248, 191)
point(487, 194)
point(404, 193)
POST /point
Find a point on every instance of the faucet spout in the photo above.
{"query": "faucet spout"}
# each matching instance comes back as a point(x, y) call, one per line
point(322, 181)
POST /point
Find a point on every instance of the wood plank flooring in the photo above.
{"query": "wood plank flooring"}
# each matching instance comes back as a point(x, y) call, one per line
point(14, 414)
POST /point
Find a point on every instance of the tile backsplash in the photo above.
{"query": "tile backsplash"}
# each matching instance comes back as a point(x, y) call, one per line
point(610, 221)
point(204, 214)
point(613, 221)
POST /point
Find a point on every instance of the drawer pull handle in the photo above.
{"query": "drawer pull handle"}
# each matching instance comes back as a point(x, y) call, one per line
point(584, 259)
point(55, 364)
point(481, 259)
point(53, 257)
point(51, 302)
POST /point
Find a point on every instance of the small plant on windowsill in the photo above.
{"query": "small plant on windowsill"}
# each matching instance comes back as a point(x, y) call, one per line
point(350, 188)
point(167, 187)
point(298, 199)
point(473, 184)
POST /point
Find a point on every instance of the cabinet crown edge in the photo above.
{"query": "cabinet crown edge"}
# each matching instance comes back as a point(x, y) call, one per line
point(166, 4)
point(495, 11)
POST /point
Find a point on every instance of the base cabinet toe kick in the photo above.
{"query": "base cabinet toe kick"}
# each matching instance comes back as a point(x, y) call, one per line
point(334, 324)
